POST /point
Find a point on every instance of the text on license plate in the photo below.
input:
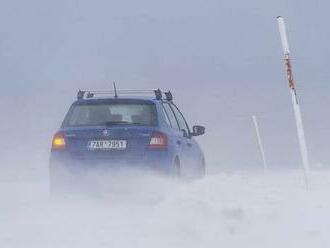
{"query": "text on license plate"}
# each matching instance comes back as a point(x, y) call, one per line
point(107, 144)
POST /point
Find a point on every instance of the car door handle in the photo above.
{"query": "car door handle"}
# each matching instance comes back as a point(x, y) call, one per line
point(178, 142)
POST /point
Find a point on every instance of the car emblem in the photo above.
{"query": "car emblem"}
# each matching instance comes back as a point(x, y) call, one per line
point(106, 133)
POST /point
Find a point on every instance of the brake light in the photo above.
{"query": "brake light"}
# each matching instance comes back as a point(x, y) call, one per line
point(58, 142)
point(158, 141)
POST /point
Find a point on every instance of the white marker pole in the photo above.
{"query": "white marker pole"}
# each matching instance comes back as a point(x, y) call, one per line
point(296, 107)
point(260, 144)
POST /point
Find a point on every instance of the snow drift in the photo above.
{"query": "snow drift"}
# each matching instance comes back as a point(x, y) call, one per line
point(229, 210)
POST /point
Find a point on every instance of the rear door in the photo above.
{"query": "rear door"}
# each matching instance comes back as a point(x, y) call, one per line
point(190, 147)
point(177, 133)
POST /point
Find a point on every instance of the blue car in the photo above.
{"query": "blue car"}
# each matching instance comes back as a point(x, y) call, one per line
point(111, 130)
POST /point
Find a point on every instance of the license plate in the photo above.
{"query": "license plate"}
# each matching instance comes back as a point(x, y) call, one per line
point(107, 144)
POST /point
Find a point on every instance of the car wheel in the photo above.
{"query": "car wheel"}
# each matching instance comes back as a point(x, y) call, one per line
point(55, 183)
point(177, 168)
point(59, 181)
point(203, 169)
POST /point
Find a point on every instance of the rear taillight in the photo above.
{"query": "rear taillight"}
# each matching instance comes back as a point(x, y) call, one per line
point(158, 141)
point(58, 142)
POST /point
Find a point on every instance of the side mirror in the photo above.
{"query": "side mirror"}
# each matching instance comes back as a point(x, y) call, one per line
point(198, 130)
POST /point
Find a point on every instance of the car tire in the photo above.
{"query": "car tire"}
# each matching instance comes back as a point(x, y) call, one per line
point(55, 184)
point(176, 168)
point(203, 170)
point(59, 181)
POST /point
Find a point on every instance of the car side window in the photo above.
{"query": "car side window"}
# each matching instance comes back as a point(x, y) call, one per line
point(166, 117)
point(171, 116)
point(181, 120)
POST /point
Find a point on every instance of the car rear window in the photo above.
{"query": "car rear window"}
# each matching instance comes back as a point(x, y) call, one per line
point(111, 114)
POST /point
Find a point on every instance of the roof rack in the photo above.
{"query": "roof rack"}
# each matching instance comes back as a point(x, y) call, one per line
point(88, 94)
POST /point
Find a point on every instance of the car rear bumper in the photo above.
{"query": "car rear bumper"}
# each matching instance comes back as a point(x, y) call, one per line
point(158, 161)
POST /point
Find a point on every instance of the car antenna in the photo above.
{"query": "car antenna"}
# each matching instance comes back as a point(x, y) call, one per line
point(115, 89)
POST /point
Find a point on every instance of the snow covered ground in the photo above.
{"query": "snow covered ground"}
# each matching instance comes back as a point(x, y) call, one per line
point(249, 209)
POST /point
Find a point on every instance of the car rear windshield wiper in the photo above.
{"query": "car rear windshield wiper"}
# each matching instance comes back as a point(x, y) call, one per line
point(113, 123)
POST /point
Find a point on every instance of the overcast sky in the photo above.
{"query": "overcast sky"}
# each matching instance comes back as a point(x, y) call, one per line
point(222, 60)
